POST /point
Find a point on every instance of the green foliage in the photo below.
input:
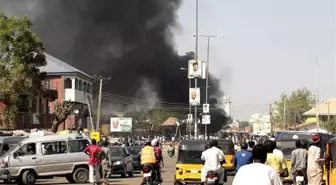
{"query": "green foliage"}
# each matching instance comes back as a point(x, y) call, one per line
point(21, 55)
point(295, 105)
point(330, 125)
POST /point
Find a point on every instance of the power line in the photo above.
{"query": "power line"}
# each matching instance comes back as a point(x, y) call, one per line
point(157, 106)
point(143, 100)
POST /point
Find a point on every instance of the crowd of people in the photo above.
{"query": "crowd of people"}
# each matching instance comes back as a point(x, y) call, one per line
point(264, 164)
point(100, 161)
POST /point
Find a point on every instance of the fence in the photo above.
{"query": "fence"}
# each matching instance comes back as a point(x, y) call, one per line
point(24, 121)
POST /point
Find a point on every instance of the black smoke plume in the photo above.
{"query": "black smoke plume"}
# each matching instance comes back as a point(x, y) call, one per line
point(128, 40)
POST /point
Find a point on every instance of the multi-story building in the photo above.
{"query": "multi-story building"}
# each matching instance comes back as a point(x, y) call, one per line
point(63, 83)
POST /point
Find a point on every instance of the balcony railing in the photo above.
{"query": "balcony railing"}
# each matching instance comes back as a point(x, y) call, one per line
point(26, 121)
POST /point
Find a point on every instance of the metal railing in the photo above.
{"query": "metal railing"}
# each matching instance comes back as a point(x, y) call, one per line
point(33, 120)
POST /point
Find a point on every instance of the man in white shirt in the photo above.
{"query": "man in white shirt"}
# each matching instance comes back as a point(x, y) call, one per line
point(315, 162)
point(257, 173)
point(213, 158)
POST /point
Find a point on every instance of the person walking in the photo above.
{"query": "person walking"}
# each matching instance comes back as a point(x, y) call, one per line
point(257, 173)
point(251, 144)
point(299, 158)
point(276, 161)
point(94, 151)
point(106, 162)
point(315, 162)
point(243, 157)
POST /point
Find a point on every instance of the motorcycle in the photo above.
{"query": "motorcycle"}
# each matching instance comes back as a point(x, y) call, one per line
point(149, 176)
point(299, 177)
point(211, 178)
point(171, 152)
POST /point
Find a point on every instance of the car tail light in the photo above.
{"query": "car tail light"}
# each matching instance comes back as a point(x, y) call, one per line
point(146, 169)
point(211, 175)
point(4, 164)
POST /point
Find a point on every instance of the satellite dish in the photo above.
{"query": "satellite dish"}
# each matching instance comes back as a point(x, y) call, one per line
point(295, 137)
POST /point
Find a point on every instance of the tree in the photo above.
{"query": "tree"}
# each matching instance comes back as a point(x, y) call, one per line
point(21, 55)
point(294, 104)
point(330, 125)
point(61, 112)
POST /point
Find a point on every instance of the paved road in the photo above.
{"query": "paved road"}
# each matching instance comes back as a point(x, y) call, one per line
point(167, 175)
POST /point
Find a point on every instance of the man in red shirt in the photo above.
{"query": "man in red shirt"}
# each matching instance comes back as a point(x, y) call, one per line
point(94, 152)
point(159, 158)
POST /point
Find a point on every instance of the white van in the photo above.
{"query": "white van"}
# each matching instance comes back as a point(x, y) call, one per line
point(48, 156)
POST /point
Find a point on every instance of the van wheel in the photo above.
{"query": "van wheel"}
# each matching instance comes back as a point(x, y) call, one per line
point(123, 174)
point(28, 177)
point(131, 173)
point(69, 178)
point(80, 175)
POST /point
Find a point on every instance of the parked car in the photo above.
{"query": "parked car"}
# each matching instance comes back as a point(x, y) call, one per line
point(135, 152)
point(7, 143)
point(122, 161)
point(48, 156)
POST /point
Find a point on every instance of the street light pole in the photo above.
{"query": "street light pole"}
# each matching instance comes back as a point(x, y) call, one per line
point(207, 73)
point(196, 57)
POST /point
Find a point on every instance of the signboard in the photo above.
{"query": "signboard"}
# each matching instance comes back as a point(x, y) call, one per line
point(205, 119)
point(206, 108)
point(190, 118)
point(194, 96)
point(120, 124)
point(196, 69)
point(95, 135)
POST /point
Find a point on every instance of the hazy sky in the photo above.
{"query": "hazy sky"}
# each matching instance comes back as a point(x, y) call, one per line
point(269, 47)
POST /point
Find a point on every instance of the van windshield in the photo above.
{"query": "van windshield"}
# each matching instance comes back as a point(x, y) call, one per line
point(12, 147)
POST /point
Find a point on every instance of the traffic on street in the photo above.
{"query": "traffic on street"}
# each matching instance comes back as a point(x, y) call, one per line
point(162, 92)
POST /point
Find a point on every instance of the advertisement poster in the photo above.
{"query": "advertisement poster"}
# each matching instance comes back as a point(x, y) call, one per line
point(121, 124)
point(194, 96)
point(196, 69)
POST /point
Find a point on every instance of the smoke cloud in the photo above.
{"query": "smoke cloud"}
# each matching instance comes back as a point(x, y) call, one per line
point(130, 41)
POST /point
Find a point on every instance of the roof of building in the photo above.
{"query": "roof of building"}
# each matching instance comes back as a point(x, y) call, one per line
point(170, 122)
point(326, 108)
point(57, 67)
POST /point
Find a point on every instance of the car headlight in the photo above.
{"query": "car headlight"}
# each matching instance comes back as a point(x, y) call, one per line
point(117, 163)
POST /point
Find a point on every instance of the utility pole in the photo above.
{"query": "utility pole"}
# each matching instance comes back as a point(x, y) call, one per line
point(101, 79)
point(284, 114)
point(89, 108)
point(271, 115)
point(317, 97)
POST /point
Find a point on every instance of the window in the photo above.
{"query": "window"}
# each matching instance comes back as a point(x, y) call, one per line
point(46, 84)
point(41, 105)
point(23, 104)
point(88, 88)
point(80, 85)
point(85, 87)
point(76, 84)
point(27, 149)
point(51, 148)
point(6, 147)
point(68, 83)
point(78, 145)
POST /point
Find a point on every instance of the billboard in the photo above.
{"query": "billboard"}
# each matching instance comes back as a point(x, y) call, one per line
point(194, 96)
point(120, 124)
point(196, 69)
